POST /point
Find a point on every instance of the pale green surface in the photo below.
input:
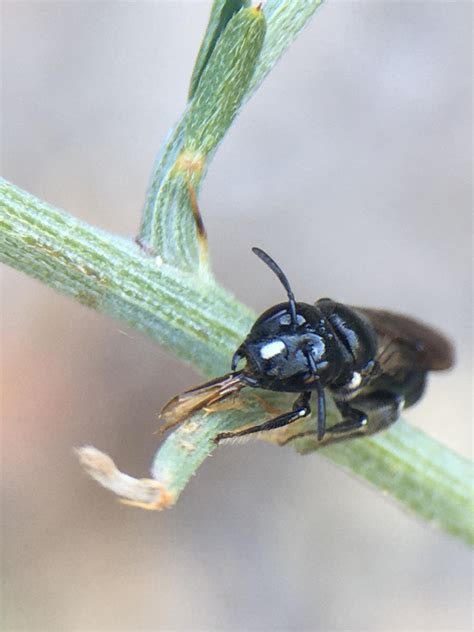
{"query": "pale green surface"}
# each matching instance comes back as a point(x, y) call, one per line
point(203, 324)
point(168, 227)
point(165, 228)
point(285, 19)
point(224, 82)
point(113, 275)
point(424, 475)
point(221, 13)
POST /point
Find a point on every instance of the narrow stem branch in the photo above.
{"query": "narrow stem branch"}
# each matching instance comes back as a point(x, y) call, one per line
point(239, 50)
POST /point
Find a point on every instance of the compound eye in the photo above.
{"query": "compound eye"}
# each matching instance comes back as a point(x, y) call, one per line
point(272, 349)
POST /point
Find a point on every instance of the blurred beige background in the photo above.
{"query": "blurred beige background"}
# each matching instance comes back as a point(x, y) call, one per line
point(351, 166)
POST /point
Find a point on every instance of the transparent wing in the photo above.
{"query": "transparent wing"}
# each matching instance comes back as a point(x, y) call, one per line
point(183, 406)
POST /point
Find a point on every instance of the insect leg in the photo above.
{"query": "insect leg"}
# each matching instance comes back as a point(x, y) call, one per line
point(374, 412)
point(321, 411)
point(354, 422)
point(353, 425)
point(321, 396)
point(409, 384)
point(382, 409)
point(301, 409)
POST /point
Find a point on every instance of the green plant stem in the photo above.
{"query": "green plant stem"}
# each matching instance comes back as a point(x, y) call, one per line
point(222, 11)
point(195, 318)
point(203, 324)
point(285, 19)
point(167, 225)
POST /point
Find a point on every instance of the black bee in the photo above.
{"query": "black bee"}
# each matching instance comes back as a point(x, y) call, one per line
point(373, 362)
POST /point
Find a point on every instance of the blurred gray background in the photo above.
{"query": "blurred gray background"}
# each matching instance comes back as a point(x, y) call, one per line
point(351, 165)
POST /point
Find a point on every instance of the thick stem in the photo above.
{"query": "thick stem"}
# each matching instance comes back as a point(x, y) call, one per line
point(203, 324)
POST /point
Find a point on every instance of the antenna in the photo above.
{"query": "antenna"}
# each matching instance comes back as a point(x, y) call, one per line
point(274, 267)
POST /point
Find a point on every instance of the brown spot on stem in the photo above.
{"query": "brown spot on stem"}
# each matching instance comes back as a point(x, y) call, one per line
point(186, 445)
point(164, 499)
point(84, 268)
point(190, 428)
point(197, 214)
point(89, 300)
point(191, 163)
point(144, 247)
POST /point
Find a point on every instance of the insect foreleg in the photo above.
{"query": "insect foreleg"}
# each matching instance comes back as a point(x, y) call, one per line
point(321, 411)
point(301, 409)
